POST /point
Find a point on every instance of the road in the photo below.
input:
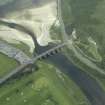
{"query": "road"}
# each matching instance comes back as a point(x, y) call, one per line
point(29, 63)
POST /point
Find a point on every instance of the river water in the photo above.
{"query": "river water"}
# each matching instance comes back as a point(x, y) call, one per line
point(87, 84)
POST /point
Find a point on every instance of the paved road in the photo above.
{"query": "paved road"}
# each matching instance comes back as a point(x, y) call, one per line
point(13, 73)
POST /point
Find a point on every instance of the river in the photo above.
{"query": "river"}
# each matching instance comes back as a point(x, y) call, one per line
point(87, 84)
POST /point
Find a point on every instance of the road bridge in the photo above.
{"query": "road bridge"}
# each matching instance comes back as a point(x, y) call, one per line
point(30, 63)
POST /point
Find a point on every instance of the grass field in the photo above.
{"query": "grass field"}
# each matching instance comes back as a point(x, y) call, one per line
point(44, 87)
point(6, 64)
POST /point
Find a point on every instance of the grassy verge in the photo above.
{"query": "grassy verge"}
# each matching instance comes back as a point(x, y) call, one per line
point(6, 64)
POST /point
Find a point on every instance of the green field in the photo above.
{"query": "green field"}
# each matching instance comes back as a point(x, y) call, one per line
point(44, 87)
point(6, 64)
